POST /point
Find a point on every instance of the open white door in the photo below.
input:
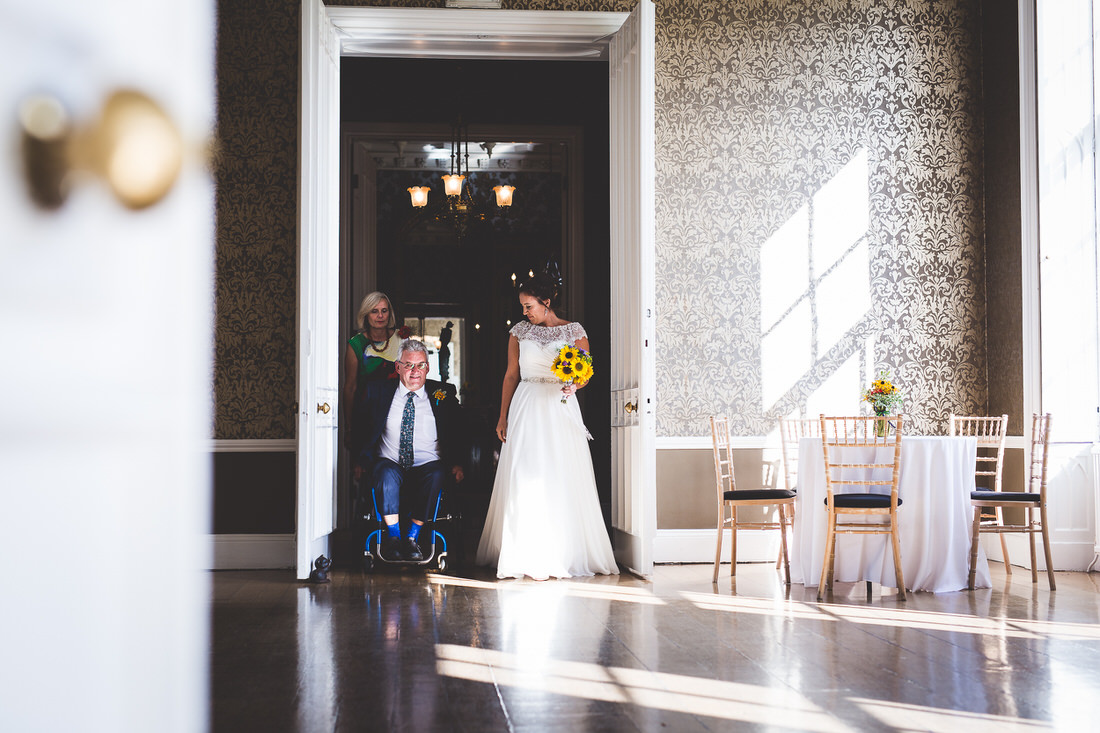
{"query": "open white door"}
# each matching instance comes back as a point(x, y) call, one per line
point(318, 280)
point(633, 388)
point(106, 321)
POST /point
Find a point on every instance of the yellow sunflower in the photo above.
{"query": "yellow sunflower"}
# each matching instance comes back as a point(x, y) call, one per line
point(563, 370)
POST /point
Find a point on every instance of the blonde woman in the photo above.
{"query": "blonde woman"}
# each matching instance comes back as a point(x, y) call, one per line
point(372, 351)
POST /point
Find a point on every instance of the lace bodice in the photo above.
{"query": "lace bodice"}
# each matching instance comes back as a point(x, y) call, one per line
point(567, 333)
point(539, 346)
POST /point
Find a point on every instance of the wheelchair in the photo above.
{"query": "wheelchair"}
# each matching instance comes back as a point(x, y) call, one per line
point(435, 550)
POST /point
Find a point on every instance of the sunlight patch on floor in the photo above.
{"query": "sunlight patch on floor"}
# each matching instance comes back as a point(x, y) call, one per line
point(673, 692)
point(579, 588)
point(902, 717)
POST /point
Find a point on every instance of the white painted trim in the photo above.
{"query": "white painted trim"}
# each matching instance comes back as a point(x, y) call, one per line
point(475, 34)
point(1029, 209)
point(318, 369)
point(697, 545)
point(691, 442)
point(253, 445)
point(632, 372)
point(405, 32)
point(251, 551)
point(1073, 556)
point(760, 442)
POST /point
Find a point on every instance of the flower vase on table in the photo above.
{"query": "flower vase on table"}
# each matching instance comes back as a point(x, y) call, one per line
point(882, 427)
point(884, 397)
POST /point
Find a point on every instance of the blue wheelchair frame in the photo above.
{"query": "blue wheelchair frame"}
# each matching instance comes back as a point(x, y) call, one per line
point(375, 537)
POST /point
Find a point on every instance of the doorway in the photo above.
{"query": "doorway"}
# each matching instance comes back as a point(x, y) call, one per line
point(626, 41)
point(559, 212)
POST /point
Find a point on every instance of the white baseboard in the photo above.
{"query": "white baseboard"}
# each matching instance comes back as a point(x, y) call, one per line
point(1065, 555)
point(252, 551)
point(697, 545)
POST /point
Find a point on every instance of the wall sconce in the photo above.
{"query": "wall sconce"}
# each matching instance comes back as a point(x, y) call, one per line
point(452, 184)
point(419, 196)
point(504, 195)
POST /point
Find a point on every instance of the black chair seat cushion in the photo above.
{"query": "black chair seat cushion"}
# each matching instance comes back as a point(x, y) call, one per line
point(862, 501)
point(751, 494)
point(1022, 496)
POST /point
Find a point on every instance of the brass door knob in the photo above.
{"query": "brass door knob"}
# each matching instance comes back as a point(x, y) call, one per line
point(324, 408)
point(630, 407)
point(134, 147)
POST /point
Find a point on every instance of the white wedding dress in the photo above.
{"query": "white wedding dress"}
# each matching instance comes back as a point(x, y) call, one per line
point(544, 517)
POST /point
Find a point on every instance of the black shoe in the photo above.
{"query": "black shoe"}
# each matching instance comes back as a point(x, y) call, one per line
point(411, 550)
point(391, 548)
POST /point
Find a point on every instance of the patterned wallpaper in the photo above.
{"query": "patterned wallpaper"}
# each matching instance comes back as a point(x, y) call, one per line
point(802, 146)
point(794, 137)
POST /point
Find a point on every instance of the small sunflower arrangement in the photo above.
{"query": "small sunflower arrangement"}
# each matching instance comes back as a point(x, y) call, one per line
point(439, 396)
point(882, 394)
point(573, 365)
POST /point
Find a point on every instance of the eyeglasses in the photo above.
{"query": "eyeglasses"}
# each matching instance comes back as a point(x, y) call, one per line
point(415, 366)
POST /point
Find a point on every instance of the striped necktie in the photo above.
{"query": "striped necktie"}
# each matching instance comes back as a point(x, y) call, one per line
point(405, 446)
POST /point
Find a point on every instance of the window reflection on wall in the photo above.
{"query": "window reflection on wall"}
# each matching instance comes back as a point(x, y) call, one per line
point(815, 291)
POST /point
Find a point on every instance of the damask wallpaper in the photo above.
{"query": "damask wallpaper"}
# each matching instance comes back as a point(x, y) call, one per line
point(802, 146)
point(774, 120)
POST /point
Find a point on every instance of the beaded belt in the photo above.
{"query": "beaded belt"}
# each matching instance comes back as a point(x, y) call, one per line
point(542, 380)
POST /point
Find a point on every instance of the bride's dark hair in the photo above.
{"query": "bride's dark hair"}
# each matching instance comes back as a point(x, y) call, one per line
point(544, 285)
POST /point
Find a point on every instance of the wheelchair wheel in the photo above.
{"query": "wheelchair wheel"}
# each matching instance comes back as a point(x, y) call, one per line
point(441, 562)
point(368, 563)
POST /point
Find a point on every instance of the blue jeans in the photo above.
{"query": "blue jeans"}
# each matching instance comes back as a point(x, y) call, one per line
point(420, 485)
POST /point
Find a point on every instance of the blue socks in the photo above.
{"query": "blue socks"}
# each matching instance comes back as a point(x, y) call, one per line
point(394, 530)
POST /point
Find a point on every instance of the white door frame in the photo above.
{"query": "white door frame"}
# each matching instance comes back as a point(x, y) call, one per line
point(318, 280)
point(489, 35)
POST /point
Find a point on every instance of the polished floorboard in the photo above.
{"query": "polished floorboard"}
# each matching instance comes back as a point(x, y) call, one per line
point(428, 652)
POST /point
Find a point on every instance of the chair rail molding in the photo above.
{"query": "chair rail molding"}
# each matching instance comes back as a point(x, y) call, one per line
point(253, 445)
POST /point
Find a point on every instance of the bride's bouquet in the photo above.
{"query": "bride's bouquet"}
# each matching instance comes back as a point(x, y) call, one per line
point(571, 366)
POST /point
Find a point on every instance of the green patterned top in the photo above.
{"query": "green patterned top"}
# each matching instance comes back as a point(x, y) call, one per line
point(375, 361)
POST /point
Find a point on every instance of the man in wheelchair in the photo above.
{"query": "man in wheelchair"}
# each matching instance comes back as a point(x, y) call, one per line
point(406, 438)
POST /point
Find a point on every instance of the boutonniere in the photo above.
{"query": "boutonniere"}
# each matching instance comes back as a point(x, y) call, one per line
point(439, 395)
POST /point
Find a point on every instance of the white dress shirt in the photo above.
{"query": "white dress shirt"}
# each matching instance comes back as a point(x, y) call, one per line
point(425, 437)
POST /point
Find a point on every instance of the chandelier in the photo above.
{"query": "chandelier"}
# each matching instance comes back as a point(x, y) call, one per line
point(459, 207)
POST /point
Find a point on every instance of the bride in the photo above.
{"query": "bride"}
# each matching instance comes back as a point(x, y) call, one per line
point(544, 517)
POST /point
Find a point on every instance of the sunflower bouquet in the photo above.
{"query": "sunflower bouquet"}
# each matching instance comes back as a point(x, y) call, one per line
point(882, 394)
point(573, 365)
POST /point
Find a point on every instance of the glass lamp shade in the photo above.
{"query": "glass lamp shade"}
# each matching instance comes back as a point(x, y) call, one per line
point(504, 195)
point(452, 185)
point(419, 196)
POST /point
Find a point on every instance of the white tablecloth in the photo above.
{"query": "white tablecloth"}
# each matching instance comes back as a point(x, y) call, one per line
point(937, 476)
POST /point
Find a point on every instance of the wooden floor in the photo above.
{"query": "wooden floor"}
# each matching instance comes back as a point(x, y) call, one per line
point(427, 652)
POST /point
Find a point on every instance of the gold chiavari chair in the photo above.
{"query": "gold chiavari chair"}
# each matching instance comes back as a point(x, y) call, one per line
point(837, 435)
point(730, 498)
point(1032, 500)
point(991, 433)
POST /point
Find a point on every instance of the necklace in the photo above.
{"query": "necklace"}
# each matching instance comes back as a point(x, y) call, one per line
point(373, 343)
